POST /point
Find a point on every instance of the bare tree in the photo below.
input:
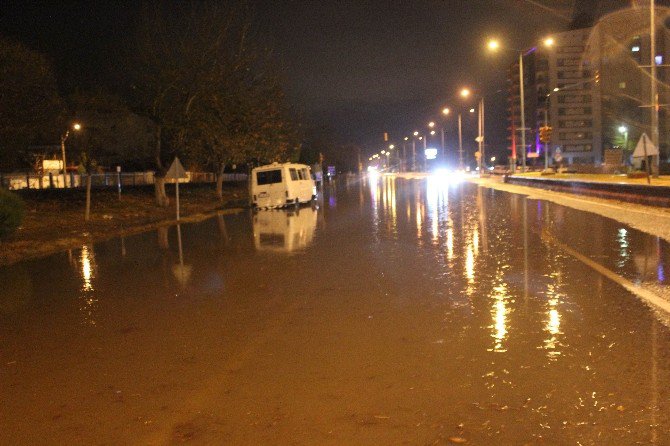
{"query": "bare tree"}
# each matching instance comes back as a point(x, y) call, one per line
point(208, 90)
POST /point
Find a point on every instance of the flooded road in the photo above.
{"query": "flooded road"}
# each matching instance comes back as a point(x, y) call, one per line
point(398, 312)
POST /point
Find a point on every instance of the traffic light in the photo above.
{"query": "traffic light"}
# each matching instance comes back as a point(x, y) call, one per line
point(545, 134)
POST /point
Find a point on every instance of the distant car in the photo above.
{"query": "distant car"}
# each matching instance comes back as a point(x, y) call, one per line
point(500, 170)
point(277, 185)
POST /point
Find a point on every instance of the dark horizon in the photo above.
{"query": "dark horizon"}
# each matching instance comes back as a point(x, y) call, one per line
point(360, 68)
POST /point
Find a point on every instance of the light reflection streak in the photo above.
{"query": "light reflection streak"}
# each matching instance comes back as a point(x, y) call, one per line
point(470, 265)
point(622, 237)
point(553, 323)
point(499, 313)
point(450, 243)
point(86, 268)
point(87, 301)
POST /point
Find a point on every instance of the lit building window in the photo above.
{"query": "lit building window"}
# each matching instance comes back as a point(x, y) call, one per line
point(635, 49)
point(659, 60)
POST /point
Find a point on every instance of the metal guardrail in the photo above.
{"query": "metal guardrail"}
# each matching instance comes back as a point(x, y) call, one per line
point(109, 179)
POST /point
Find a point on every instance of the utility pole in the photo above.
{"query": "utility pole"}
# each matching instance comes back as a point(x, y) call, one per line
point(444, 149)
point(523, 112)
point(413, 154)
point(654, 87)
point(460, 142)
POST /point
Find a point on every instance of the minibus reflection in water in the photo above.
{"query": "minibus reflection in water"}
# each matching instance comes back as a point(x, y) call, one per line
point(284, 231)
point(277, 185)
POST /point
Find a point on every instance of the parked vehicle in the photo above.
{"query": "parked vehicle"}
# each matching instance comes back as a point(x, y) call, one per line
point(277, 185)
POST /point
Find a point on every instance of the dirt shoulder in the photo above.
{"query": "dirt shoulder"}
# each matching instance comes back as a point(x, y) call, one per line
point(55, 218)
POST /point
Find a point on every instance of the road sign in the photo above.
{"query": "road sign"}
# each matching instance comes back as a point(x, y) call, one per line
point(176, 170)
point(533, 155)
point(645, 147)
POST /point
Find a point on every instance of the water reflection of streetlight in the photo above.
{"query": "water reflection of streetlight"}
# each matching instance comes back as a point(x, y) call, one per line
point(499, 314)
point(88, 272)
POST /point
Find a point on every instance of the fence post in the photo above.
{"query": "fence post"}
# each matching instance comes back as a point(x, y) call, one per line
point(72, 180)
point(28, 180)
point(51, 180)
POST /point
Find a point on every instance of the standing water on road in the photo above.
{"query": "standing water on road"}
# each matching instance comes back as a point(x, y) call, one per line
point(416, 312)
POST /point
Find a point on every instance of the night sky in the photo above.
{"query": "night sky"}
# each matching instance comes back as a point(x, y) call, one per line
point(360, 67)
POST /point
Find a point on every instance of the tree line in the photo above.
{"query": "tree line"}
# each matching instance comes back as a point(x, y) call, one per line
point(195, 82)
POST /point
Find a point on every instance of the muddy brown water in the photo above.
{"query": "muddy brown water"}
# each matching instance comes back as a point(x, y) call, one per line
point(397, 312)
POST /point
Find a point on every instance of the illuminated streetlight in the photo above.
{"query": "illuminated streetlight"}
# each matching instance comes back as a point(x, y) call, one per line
point(465, 92)
point(623, 129)
point(406, 138)
point(391, 147)
point(493, 45)
point(432, 132)
point(446, 111)
point(472, 110)
point(431, 124)
point(549, 42)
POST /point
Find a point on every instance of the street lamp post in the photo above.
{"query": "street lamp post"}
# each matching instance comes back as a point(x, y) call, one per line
point(494, 45)
point(460, 142)
point(403, 163)
point(76, 127)
point(445, 112)
point(414, 151)
point(522, 99)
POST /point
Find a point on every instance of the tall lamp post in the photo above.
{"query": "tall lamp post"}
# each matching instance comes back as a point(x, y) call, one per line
point(416, 134)
point(494, 45)
point(76, 127)
point(445, 112)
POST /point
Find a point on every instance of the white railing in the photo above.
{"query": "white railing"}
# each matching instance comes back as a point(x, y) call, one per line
point(15, 181)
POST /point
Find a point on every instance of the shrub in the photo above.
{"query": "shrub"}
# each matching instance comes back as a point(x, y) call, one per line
point(12, 210)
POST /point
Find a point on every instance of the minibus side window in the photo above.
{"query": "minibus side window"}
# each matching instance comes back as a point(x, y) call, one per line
point(268, 177)
point(305, 175)
point(294, 174)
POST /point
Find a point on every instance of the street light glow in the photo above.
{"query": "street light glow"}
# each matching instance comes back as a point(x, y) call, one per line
point(416, 133)
point(493, 44)
point(549, 42)
point(391, 147)
point(446, 111)
point(76, 126)
point(406, 138)
point(431, 124)
point(472, 110)
point(623, 129)
point(465, 92)
point(432, 132)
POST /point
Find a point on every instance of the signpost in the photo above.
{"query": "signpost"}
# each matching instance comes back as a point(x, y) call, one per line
point(176, 172)
point(118, 179)
point(645, 149)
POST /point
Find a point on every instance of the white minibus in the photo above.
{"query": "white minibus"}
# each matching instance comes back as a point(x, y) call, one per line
point(277, 185)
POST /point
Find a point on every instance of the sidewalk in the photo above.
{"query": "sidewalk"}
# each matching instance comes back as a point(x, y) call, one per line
point(663, 180)
point(614, 187)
